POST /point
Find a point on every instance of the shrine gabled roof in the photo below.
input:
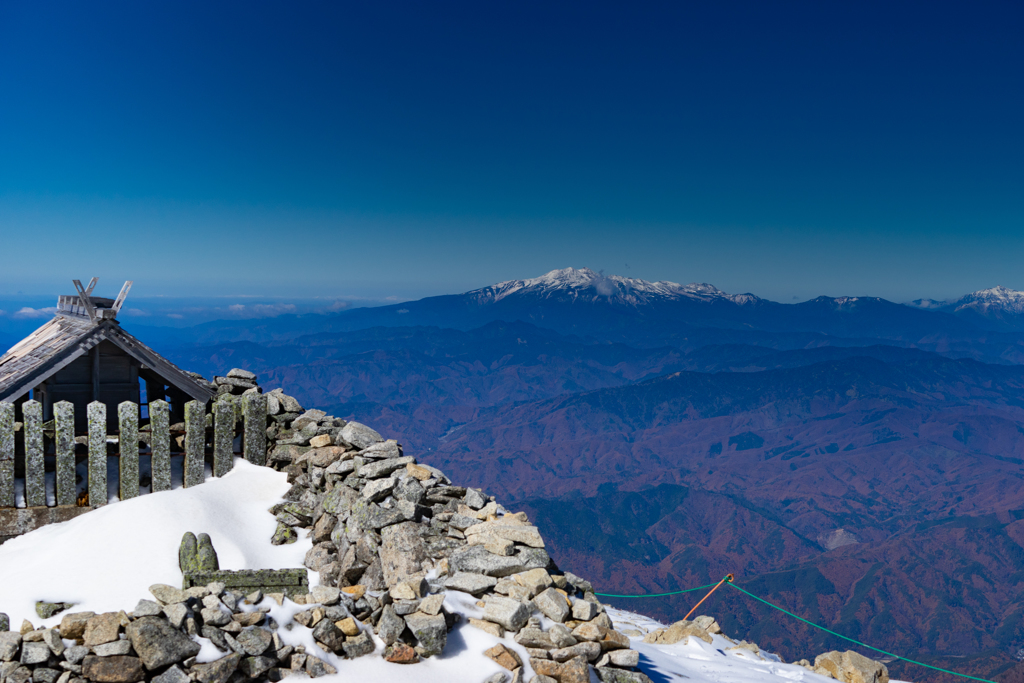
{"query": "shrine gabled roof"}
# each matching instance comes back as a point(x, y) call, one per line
point(67, 337)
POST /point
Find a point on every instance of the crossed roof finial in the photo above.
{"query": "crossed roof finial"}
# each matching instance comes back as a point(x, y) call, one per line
point(84, 295)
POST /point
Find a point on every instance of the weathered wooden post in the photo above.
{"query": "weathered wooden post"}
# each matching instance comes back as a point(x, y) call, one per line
point(223, 436)
point(254, 407)
point(97, 413)
point(35, 466)
point(64, 449)
point(128, 444)
point(160, 445)
point(195, 443)
point(6, 455)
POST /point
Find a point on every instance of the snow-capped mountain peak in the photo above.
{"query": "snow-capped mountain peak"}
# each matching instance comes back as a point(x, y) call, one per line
point(586, 284)
point(997, 298)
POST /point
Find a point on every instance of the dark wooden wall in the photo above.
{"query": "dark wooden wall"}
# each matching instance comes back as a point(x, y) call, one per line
point(107, 374)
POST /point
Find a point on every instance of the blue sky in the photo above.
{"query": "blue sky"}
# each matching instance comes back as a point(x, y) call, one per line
point(377, 150)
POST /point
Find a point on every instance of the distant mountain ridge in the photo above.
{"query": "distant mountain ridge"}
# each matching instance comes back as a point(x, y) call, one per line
point(985, 325)
point(584, 283)
point(997, 308)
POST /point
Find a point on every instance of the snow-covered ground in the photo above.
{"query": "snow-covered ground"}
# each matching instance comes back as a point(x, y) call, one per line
point(106, 560)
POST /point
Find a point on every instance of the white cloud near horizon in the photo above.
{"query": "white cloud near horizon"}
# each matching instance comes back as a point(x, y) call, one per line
point(27, 312)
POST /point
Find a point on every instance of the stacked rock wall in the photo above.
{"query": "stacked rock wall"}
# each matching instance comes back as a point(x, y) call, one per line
point(393, 536)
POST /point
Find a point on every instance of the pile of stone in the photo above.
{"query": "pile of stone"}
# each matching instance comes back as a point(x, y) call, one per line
point(392, 536)
point(236, 382)
point(393, 540)
point(154, 642)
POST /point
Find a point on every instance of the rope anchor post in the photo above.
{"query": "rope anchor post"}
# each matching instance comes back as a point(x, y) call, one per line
point(727, 578)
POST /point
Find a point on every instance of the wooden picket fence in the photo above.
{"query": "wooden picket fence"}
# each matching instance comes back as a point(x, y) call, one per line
point(253, 414)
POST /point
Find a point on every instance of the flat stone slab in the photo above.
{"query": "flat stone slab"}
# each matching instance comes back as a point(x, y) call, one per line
point(291, 582)
point(18, 521)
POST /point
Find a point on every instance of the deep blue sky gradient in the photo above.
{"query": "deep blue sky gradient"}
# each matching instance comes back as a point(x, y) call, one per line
point(386, 149)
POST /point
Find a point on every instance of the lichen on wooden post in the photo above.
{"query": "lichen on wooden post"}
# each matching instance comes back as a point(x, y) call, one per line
point(6, 455)
point(128, 445)
point(223, 435)
point(35, 466)
point(97, 414)
point(195, 443)
point(64, 450)
point(160, 445)
point(255, 408)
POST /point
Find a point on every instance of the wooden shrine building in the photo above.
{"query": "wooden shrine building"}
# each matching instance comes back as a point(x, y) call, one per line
point(84, 355)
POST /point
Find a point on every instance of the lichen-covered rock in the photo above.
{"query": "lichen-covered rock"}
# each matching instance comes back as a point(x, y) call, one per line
point(365, 515)
point(359, 645)
point(284, 535)
point(206, 556)
point(159, 644)
point(45, 610)
point(188, 553)
point(430, 631)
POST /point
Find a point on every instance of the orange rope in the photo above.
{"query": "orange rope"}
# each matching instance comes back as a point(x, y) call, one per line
point(727, 577)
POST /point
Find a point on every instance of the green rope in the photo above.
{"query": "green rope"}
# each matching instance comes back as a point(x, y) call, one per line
point(656, 595)
point(857, 642)
point(810, 623)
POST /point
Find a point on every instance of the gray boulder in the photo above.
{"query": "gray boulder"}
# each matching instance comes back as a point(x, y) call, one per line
point(402, 552)
point(366, 515)
point(390, 626)
point(431, 632)
point(360, 435)
point(158, 643)
point(219, 671)
point(173, 675)
point(474, 584)
point(509, 613)
point(357, 646)
point(10, 645)
point(383, 468)
point(552, 604)
point(34, 653)
point(255, 641)
point(610, 675)
point(479, 560)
